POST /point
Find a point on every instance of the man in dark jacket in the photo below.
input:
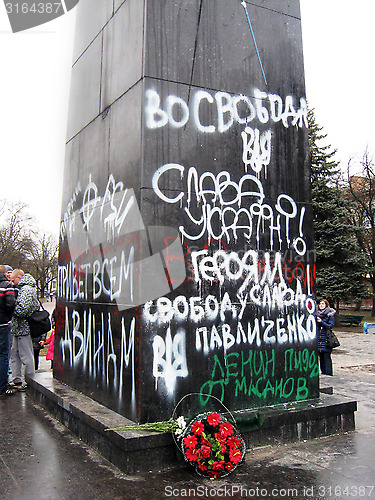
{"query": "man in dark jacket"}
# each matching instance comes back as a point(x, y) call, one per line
point(7, 305)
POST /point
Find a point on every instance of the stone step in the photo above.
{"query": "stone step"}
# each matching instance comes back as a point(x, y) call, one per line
point(139, 451)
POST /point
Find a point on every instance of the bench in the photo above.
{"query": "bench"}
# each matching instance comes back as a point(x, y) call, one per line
point(352, 319)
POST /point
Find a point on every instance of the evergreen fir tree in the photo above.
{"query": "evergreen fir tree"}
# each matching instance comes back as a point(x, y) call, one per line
point(340, 265)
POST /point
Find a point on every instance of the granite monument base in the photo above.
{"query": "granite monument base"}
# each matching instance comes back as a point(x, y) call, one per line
point(138, 451)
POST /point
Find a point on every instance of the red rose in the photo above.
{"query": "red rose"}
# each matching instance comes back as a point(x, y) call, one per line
point(221, 436)
point(190, 441)
point(214, 419)
point(197, 428)
point(204, 451)
point(218, 466)
point(226, 428)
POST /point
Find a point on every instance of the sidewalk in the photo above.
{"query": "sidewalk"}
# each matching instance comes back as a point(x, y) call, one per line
point(41, 459)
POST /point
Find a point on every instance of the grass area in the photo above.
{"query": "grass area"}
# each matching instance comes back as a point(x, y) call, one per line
point(366, 314)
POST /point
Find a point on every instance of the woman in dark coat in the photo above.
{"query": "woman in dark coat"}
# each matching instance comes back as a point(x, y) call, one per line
point(325, 318)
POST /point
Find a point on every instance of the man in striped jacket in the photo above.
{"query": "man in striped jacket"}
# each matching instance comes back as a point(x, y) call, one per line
point(22, 353)
point(7, 305)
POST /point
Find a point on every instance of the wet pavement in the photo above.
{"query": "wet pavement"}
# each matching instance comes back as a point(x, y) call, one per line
point(41, 459)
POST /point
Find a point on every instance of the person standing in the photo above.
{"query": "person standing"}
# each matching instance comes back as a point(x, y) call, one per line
point(325, 318)
point(51, 345)
point(27, 302)
point(8, 272)
point(7, 305)
point(51, 339)
point(38, 343)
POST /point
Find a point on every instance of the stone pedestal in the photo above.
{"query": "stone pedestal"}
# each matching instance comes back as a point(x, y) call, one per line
point(134, 450)
point(186, 257)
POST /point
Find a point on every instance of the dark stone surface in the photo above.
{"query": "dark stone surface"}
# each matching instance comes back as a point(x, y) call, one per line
point(122, 53)
point(85, 88)
point(42, 459)
point(89, 421)
point(209, 44)
point(186, 256)
point(90, 26)
point(137, 450)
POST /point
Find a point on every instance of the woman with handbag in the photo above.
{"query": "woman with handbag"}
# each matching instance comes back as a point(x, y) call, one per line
point(325, 318)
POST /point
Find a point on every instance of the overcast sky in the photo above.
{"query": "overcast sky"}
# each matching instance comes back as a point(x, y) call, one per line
point(338, 42)
point(338, 48)
point(34, 89)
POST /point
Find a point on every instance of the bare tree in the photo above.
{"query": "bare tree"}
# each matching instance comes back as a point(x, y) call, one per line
point(16, 233)
point(23, 246)
point(44, 261)
point(361, 191)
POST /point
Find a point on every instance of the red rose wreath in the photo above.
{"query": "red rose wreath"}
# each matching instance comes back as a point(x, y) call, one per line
point(212, 445)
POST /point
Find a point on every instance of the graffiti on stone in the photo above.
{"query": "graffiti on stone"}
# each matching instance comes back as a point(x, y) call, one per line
point(230, 288)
